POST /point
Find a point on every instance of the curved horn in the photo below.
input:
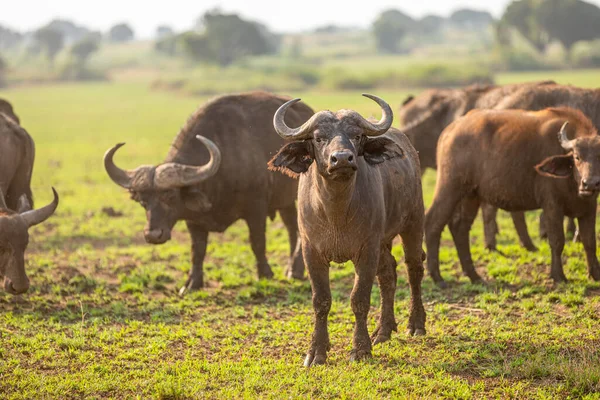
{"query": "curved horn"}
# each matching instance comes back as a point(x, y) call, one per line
point(2, 202)
point(562, 137)
point(119, 176)
point(174, 175)
point(35, 217)
point(300, 133)
point(381, 127)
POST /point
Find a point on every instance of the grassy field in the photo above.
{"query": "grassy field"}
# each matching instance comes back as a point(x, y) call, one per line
point(103, 318)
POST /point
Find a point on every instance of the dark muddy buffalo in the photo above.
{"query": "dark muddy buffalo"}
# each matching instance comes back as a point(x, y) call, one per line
point(17, 153)
point(514, 160)
point(213, 180)
point(358, 188)
point(14, 239)
point(425, 117)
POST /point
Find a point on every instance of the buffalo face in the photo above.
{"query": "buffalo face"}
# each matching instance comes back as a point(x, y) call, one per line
point(167, 191)
point(581, 163)
point(334, 141)
point(14, 238)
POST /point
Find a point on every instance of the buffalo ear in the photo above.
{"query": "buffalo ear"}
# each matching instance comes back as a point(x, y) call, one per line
point(376, 151)
point(292, 160)
point(556, 166)
point(195, 200)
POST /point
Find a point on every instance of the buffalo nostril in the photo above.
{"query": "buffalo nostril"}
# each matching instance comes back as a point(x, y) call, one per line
point(333, 159)
point(351, 158)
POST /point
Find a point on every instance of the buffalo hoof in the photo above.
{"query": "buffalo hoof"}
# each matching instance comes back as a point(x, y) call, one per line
point(490, 247)
point(477, 280)
point(442, 284)
point(191, 285)
point(295, 274)
point(559, 278)
point(381, 334)
point(360, 355)
point(315, 359)
point(531, 248)
point(265, 271)
point(415, 332)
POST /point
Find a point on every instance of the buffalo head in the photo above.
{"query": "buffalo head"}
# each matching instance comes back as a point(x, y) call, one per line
point(334, 141)
point(14, 239)
point(165, 191)
point(582, 162)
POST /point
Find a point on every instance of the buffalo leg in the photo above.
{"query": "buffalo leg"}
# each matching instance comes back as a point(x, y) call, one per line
point(460, 233)
point(543, 229)
point(318, 272)
point(572, 231)
point(587, 232)
point(365, 270)
point(386, 279)
point(556, 238)
point(436, 218)
point(490, 226)
point(296, 263)
point(257, 225)
point(521, 227)
point(414, 256)
point(199, 241)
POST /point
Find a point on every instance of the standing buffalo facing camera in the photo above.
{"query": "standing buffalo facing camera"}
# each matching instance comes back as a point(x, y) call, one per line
point(518, 161)
point(14, 238)
point(359, 187)
point(213, 180)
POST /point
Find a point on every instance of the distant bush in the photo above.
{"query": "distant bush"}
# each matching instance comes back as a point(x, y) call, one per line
point(76, 71)
point(586, 55)
point(430, 75)
point(212, 80)
point(520, 60)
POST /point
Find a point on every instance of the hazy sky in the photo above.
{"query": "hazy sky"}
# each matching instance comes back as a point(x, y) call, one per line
point(280, 16)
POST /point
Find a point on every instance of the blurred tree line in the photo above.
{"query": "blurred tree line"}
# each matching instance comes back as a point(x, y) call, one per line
point(223, 39)
point(219, 38)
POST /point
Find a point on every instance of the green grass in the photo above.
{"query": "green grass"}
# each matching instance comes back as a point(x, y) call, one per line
point(103, 318)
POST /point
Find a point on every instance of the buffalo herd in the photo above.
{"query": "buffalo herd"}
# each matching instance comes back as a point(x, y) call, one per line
point(357, 185)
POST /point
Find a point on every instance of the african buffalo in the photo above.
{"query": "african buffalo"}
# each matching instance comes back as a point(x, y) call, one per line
point(17, 153)
point(14, 239)
point(358, 188)
point(211, 189)
point(543, 96)
point(427, 115)
point(514, 160)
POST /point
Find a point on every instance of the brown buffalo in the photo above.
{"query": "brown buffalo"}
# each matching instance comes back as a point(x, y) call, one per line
point(212, 182)
point(517, 160)
point(14, 239)
point(17, 153)
point(424, 118)
point(359, 188)
point(553, 95)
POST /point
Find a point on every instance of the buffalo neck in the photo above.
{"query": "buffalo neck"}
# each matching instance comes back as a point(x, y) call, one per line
point(333, 198)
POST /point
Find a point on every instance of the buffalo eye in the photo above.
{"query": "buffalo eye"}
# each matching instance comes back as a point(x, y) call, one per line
point(318, 140)
point(357, 138)
point(576, 158)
